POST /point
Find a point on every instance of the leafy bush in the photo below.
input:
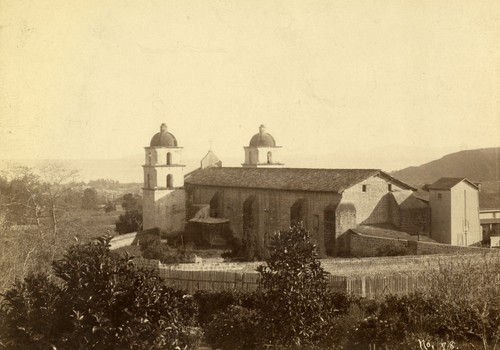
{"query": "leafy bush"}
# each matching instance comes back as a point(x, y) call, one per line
point(246, 248)
point(131, 221)
point(102, 301)
point(235, 328)
point(152, 248)
point(210, 303)
point(31, 317)
point(294, 287)
point(109, 207)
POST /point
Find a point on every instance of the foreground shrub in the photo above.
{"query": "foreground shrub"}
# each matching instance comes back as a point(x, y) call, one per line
point(235, 328)
point(101, 301)
point(468, 299)
point(30, 315)
point(294, 286)
point(210, 303)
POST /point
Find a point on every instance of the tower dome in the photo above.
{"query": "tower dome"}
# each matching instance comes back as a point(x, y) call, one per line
point(163, 138)
point(262, 139)
point(262, 151)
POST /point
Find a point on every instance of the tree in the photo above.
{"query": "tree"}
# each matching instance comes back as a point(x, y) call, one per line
point(109, 207)
point(102, 301)
point(37, 193)
point(23, 197)
point(89, 200)
point(56, 182)
point(294, 287)
point(132, 202)
point(131, 221)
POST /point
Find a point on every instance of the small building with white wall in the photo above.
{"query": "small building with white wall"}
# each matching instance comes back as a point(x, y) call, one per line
point(454, 206)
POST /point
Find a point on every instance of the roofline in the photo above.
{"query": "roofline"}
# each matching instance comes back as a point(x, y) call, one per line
point(187, 184)
point(375, 172)
point(449, 188)
point(192, 171)
point(402, 183)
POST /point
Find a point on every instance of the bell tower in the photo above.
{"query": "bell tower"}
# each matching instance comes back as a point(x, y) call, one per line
point(262, 151)
point(163, 190)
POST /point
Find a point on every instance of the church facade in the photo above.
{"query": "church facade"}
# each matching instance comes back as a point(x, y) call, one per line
point(263, 196)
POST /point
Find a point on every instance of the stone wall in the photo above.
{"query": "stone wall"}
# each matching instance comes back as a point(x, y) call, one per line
point(425, 248)
point(164, 209)
point(415, 221)
point(358, 245)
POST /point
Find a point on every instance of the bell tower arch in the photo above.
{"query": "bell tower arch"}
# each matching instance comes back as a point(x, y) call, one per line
point(262, 151)
point(163, 190)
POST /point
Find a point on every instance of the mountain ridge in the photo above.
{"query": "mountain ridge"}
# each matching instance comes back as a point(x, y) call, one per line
point(478, 165)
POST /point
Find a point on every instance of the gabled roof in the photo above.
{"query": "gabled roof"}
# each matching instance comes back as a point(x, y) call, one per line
point(296, 179)
point(446, 183)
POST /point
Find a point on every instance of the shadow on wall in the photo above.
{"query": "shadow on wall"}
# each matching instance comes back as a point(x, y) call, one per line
point(345, 218)
point(380, 213)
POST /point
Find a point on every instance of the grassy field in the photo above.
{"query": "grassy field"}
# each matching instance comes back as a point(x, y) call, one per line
point(26, 250)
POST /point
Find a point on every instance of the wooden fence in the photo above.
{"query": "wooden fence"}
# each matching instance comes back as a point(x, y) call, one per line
point(369, 286)
point(367, 277)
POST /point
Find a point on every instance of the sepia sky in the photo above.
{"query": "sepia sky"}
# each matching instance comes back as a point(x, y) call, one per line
point(95, 79)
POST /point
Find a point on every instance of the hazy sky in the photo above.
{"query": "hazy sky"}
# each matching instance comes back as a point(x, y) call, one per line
point(95, 79)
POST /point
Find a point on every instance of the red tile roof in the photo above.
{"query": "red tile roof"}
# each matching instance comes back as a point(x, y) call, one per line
point(446, 183)
point(296, 179)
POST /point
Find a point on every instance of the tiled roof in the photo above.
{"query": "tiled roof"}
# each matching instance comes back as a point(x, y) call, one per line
point(297, 179)
point(422, 195)
point(446, 183)
point(388, 233)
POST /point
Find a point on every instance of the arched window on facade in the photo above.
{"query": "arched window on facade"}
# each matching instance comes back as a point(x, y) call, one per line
point(269, 157)
point(215, 204)
point(330, 221)
point(250, 216)
point(150, 157)
point(169, 158)
point(149, 181)
point(298, 213)
point(170, 181)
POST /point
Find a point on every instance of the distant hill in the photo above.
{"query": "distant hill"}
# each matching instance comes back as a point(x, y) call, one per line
point(479, 165)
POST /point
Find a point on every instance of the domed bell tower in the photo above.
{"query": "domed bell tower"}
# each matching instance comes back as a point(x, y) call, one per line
point(163, 190)
point(262, 151)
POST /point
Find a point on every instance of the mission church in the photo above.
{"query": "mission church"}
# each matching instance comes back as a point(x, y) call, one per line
point(263, 196)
